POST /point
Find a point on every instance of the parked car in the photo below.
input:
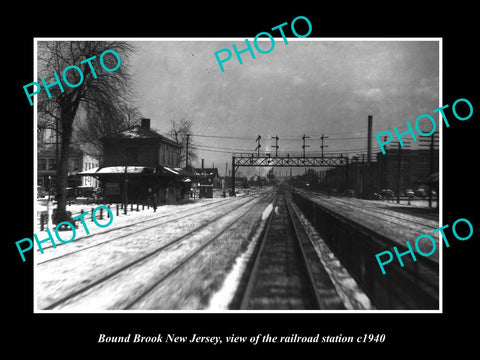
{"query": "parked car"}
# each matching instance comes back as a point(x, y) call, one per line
point(409, 193)
point(387, 193)
point(420, 193)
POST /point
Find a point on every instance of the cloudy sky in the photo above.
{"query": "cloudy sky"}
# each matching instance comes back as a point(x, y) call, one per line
point(310, 86)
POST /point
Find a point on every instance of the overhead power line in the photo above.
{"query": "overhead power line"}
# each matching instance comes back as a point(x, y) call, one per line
point(289, 138)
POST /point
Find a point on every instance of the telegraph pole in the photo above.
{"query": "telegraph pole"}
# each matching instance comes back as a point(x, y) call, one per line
point(186, 153)
point(233, 176)
point(258, 145)
point(432, 144)
point(399, 165)
point(304, 146)
point(369, 141)
point(323, 146)
point(276, 145)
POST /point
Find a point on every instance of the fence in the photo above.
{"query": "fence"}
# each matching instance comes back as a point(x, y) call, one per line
point(414, 286)
point(117, 209)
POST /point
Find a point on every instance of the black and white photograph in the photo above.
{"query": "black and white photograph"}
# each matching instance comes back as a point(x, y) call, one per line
point(171, 179)
point(226, 180)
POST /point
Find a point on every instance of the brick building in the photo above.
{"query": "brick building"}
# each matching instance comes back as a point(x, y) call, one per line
point(139, 164)
point(415, 164)
point(363, 180)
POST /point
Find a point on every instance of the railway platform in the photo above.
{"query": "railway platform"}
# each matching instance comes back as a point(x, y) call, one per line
point(355, 230)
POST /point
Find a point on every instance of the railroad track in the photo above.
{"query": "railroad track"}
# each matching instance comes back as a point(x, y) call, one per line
point(194, 240)
point(286, 273)
point(145, 225)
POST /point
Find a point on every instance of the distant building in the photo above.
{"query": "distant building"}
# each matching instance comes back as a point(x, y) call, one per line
point(78, 161)
point(363, 180)
point(141, 165)
point(415, 164)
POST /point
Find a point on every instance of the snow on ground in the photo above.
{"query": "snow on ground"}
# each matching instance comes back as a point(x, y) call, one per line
point(123, 219)
point(59, 277)
point(119, 221)
point(193, 285)
point(222, 298)
point(207, 282)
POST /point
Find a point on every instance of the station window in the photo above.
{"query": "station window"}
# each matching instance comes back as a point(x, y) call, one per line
point(52, 164)
point(42, 164)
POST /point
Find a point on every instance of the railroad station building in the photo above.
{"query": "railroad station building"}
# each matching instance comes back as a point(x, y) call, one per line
point(141, 165)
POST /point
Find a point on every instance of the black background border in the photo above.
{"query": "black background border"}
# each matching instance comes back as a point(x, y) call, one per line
point(405, 333)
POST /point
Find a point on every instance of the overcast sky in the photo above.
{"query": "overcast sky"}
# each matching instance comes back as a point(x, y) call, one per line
point(312, 87)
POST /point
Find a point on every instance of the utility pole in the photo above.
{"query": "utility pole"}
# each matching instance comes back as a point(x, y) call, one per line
point(258, 145)
point(233, 176)
point(399, 165)
point(369, 141)
point(304, 146)
point(186, 153)
point(323, 146)
point(432, 143)
point(362, 177)
point(276, 145)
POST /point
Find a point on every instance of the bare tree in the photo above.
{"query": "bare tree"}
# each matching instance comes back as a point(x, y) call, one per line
point(95, 90)
point(178, 132)
point(97, 123)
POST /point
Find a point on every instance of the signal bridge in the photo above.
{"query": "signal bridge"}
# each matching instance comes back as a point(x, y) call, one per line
point(288, 160)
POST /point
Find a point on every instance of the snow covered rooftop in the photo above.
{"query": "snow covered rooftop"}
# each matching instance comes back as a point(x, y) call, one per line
point(119, 170)
point(140, 132)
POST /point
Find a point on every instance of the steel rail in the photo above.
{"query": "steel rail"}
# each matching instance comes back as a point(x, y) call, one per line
point(305, 262)
point(252, 277)
point(140, 259)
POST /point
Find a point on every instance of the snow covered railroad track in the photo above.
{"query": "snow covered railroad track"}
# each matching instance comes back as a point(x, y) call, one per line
point(286, 273)
point(124, 275)
point(151, 221)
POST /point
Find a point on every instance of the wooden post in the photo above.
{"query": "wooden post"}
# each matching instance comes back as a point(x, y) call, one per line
point(233, 176)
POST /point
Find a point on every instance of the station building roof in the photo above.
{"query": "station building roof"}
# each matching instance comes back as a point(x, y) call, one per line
point(141, 132)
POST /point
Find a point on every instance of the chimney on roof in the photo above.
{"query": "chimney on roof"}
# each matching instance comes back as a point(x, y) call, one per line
point(145, 123)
